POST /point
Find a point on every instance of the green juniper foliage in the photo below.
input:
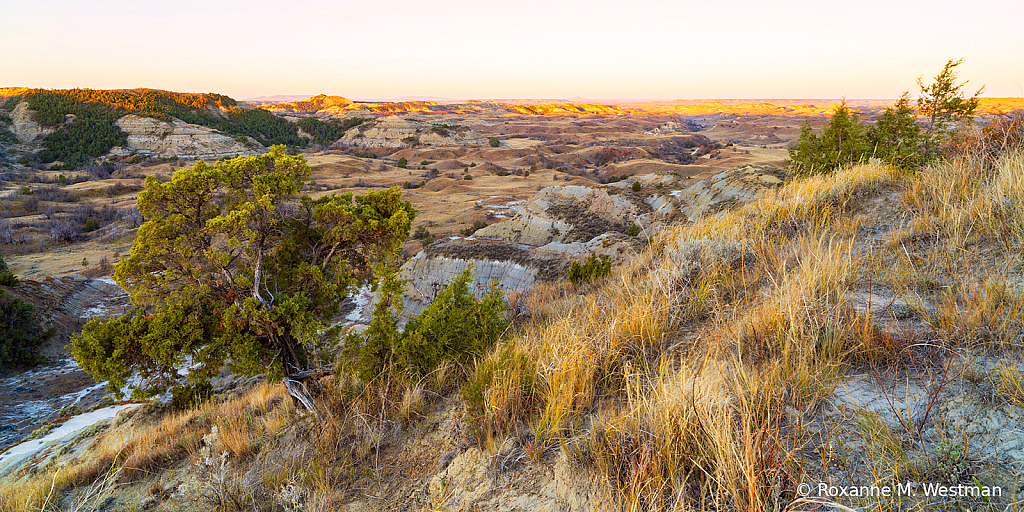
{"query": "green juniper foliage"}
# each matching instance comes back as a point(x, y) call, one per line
point(454, 326)
point(591, 269)
point(477, 226)
point(896, 137)
point(943, 105)
point(6, 277)
point(841, 143)
point(20, 330)
point(20, 333)
point(233, 266)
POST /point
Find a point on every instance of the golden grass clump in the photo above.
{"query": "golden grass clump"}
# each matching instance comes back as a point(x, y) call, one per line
point(712, 432)
point(963, 198)
point(137, 449)
point(818, 202)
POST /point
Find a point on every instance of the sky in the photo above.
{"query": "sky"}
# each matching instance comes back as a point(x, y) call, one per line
point(460, 49)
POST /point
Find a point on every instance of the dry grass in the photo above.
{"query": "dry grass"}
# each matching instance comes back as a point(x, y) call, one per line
point(685, 377)
point(675, 376)
point(137, 450)
point(964, 198)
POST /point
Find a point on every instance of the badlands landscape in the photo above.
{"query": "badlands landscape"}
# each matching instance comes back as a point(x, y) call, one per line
point(688, 322)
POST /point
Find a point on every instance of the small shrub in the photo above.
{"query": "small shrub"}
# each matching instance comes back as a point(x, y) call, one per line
point(591, 269)
point(6, 277)
point(30, 203)
point(63, 231)
point(455, 326)
point(90, 226)
point(477, 225)
point(420, 233)
point(20, 333)
point(467, 177)
point(633, 229)
point(494, 142)
point(636, 186)
point(842, 143)
point(190, 395)
point(403, 163)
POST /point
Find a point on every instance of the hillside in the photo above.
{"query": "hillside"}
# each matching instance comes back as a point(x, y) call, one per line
point(855, 329)
point(75, 127)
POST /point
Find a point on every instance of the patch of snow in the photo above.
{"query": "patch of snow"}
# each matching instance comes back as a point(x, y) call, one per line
point(358, 315)
point(79, 395)
point(23, 451)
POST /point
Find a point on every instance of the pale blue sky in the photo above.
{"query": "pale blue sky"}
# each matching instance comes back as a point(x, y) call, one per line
point(523, 49)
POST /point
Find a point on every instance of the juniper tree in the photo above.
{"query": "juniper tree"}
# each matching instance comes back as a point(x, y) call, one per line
point(233, 267)
point(841, 143)
point(896, 137)
point(943, 105)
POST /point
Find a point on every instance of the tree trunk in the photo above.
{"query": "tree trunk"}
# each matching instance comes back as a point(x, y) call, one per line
point(290, 357)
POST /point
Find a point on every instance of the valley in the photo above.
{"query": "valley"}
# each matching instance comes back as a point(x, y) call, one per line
point(753, 329)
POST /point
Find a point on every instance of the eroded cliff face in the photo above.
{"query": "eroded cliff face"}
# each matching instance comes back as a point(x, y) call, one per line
point(562, 224)
point(395, 132)
point(557, 226)
point(180, 139)
point(24, 128)
point(727, 188)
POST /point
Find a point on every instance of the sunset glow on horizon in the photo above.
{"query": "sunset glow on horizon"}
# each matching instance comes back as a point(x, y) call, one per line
point(464, 50)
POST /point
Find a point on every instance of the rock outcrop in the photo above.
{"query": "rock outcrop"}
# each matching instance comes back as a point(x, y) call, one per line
point(728, 188)
point(24, 128)
point(578, 213)
point(559, 225)
point(556, 226)
point(180, 139)
point(395, 132)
